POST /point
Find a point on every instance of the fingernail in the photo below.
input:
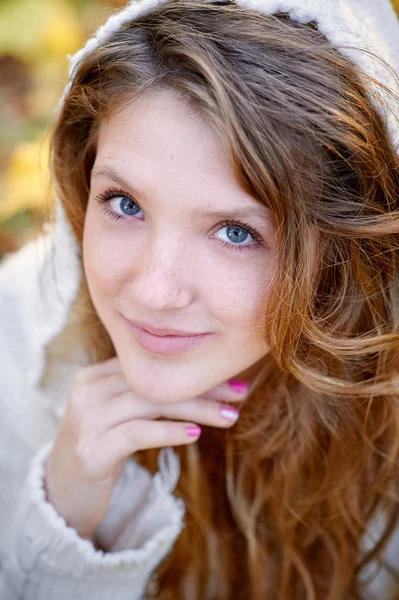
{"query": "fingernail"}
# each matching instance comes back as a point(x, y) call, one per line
point(239, 386)
point(193, 431)
point(229, 413)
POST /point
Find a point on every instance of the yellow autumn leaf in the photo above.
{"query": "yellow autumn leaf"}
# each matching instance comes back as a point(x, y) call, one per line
point(27, 183)
point(63, 34)
point(38, 29)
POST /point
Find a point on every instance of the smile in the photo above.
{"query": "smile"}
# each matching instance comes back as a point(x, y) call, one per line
point(165, 344)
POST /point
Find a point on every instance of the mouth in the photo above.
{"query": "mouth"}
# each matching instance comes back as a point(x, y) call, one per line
point(165, 344)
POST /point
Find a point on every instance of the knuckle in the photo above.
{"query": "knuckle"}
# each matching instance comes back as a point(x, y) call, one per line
point(78, 417)
point(80, 396)
point(82, 375)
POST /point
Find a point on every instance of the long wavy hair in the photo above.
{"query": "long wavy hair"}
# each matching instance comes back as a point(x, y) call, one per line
point(279, 506)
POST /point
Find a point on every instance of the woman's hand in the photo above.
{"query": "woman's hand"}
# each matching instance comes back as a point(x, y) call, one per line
point(104, 423)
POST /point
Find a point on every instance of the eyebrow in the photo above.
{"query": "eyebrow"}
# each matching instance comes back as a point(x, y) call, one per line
point(106, 172)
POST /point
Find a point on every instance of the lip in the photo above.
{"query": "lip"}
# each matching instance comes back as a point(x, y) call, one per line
point(165, 344)
point(160, 331)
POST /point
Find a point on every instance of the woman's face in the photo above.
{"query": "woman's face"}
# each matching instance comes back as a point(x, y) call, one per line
point(155, 254)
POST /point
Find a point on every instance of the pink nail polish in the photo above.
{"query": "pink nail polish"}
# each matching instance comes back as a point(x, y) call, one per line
point(239, 386)
point(230, 413)
point(193, 431)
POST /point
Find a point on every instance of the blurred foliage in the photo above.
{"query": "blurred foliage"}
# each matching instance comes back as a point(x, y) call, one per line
point(36, 37)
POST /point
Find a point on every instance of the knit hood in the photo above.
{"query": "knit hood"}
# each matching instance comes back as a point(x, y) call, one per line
point(350, 25)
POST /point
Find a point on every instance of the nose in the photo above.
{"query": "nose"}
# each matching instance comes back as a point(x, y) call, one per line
point(160, 279)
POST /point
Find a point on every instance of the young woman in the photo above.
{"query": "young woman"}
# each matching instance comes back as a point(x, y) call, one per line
point(227, 186)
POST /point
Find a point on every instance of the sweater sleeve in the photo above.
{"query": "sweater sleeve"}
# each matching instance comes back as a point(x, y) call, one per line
point(48, 560)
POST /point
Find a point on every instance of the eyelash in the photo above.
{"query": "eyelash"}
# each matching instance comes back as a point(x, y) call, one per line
point(111, 193)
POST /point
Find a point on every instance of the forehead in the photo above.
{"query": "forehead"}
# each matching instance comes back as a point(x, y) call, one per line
point(161, 129)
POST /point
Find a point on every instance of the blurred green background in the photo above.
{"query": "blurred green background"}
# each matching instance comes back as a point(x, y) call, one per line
point(35, 38)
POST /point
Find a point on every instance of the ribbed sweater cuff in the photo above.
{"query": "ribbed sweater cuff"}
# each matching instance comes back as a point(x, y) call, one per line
point(53, 562)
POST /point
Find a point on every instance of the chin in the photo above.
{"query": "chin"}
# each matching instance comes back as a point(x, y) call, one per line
point(168, 394)
point(160, 383)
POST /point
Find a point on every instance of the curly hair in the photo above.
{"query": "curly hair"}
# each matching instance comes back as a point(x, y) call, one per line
point(279, 506)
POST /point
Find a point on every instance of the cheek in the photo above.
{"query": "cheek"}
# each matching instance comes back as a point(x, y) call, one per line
point(105, 262)
point(240, 300)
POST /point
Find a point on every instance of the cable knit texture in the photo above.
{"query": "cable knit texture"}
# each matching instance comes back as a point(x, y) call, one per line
point(41, 558)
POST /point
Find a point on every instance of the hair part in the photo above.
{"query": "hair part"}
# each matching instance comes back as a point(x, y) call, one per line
point(313, 459)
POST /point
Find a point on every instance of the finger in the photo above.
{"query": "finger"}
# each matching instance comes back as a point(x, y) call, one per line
point(123, 408)
point(129, 437)
point(228, 393)
point(202, 411)
point(91, 372)
point(128, 407)
point(105, 389)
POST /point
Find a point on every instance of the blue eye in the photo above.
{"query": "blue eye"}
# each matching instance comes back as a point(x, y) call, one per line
point(237, 233)
point(123, 205)
point(127, 207)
